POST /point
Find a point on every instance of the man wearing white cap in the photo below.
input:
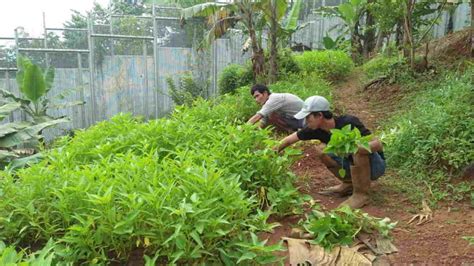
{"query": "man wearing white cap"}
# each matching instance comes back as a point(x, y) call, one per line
point(361, 167)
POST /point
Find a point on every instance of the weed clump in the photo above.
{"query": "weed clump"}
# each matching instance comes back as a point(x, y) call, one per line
point(330, 64)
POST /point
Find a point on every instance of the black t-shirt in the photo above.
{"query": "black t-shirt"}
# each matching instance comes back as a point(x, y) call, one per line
point(341, 121)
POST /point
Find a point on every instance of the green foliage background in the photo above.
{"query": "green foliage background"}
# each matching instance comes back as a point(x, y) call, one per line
point(330, 64)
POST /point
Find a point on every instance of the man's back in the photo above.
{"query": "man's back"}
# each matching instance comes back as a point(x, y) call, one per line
point(285, 104)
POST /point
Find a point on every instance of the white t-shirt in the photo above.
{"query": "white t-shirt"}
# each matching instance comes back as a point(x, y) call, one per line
point(285, 104)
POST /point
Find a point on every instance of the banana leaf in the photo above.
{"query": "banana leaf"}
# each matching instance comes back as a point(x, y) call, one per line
point(34, 86)
point(202, 10)
point(9, 128)
point(6, 109)
point(25, 161)
point(281, 7)
point(292, 20)
point(8, 95)
point(28, 133)
point(49, 79)
point(4, 155)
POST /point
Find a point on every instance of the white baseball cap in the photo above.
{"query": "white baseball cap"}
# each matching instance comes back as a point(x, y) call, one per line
point(313, 104)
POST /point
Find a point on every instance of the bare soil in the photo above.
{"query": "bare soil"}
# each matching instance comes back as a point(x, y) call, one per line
point(436, 242)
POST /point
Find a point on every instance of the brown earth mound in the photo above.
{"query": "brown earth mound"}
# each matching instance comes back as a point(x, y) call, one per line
point(456, 45)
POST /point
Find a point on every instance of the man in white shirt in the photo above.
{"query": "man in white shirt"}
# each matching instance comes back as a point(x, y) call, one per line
point(278, 109)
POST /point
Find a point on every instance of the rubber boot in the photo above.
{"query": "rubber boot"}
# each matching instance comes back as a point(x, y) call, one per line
point(360, 173)
point(341, 190)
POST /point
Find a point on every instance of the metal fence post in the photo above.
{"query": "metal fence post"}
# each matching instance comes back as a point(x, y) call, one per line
point(91, 69)
point(155, 63)
point(81, 91)
point(145, 79)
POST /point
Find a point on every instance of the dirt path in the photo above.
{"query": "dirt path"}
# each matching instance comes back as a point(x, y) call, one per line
point(437, 242)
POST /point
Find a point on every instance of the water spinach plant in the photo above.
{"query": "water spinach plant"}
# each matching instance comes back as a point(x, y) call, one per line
point(182, 189)
point(346, 141)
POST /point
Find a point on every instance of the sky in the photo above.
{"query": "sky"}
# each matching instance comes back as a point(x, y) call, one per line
point(29, 14)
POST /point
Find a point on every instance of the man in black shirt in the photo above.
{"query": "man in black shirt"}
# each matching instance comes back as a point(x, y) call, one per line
point(361, 167)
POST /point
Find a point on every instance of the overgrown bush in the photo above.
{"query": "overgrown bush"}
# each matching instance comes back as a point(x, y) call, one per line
point(187, 89)
point(232, 77)
point(435, 132)
point(287, 64)
point(380, 66)
point(331, 65)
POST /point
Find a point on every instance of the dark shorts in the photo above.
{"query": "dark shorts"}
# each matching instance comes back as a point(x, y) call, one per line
point(377, 165)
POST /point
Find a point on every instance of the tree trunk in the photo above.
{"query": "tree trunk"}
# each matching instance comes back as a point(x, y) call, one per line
point(258, 57)
point(369, 35)
point(472, 28)
point(356, 45)
point(399, 34)
point(379, 42)
point(389, 48)
point(273, 75)
point(408, 44)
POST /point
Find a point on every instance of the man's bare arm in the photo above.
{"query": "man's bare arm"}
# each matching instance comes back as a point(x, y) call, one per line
point(375, 146)
point(289, 140)
point(254, 119)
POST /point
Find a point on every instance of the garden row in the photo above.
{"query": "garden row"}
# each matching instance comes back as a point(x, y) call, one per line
point(182, 189)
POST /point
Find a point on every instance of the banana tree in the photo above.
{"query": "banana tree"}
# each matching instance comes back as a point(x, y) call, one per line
point(15, 134)
point(223, 16)
point(280, 27)
point(33, 85)
point(350, 13)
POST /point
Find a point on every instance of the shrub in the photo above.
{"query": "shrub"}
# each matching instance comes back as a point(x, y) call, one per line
point(287, 64)
point(187, 89)
point(380, 66)
point(232, 77)
point(436, 131)
point(331, 65)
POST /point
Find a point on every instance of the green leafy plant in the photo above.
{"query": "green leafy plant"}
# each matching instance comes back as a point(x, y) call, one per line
point(287, 64)
point(9, 256)
point(232, 77)
point(331, 65)
point(182, 188)
point(434, 131)
point(345, 141)
point(381, 66)
point(341, 226)
point(186, 90)
point(350, 13)
point(287, 200)
point(34, 86)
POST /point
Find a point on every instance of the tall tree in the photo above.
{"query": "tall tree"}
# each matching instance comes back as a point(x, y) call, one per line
point(279, 28)
point(223, 16)
point(472, 28)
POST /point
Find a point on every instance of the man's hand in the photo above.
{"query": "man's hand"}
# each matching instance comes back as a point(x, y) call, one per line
point(254, 119)
point(289, 140)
